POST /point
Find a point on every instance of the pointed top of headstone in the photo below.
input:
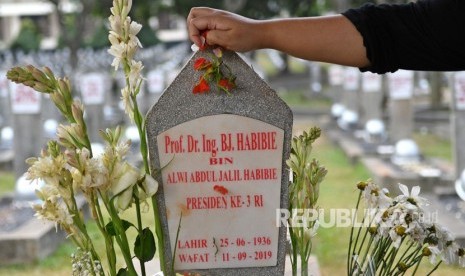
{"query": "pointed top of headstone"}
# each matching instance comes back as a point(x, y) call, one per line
point(252, 96)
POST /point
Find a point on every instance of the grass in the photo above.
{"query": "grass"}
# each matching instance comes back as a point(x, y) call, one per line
point(7, 182)
point(298, 98)
point(295, 65)
point(337, 191)
point(433, 146)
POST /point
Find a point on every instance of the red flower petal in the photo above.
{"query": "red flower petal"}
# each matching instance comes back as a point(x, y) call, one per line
point(220, 189)
point(202, 63)
point(201, 86)
point(226, 84)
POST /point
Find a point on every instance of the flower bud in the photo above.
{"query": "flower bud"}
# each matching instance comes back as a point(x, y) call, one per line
point(150, 185)
point(40, 87)
point(39, 76)
point(77, 110)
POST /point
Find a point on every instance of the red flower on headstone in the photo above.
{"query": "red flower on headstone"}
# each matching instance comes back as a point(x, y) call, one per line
point(215, 71)
point(202, 63)
point(201, 87)
point(226, 84)
point(220, 189)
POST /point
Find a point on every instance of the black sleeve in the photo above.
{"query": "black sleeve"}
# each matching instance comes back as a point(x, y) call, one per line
point(425, 35)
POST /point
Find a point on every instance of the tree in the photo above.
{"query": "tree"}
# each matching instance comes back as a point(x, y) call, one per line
point(28, 38)
point(89, 23)
point(73, 26)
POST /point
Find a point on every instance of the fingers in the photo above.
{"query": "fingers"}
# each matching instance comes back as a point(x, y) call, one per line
point(225, 29)
point(215, 37)
point(200, 20)
point(195, 30)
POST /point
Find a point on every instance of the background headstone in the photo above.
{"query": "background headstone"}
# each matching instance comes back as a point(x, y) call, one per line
point(400, 85)
point(4, 102)
point(372, 96)
point(336, 80)
point(315, 77)
point(26, 108)
point(351, 88)
point(93, 88)
point(155, 82)
point(223, 159)
point(458, 122)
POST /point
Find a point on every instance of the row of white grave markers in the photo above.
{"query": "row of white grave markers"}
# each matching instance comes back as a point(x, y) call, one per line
point(400, 88)
point(363, 94)
point(27, 112)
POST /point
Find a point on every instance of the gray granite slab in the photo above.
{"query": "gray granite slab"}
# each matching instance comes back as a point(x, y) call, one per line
point(252, 99)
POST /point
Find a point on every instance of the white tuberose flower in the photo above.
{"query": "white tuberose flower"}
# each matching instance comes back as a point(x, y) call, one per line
point(149, 187)
point(123, 186)
point(127, 103)
point(118, 51)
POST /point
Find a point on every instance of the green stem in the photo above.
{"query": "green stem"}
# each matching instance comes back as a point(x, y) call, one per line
point(78, 221)
point(176, 241)
point(404, 259)
point(293, 256)
point(159, 233)
point(120, 236)
point(367, 250)
point(417, 266)
point(139, 229)
point(144, 152)
point(303, 268)
point(110, 248)
point(349, 253)
point(380, 254)
point(435, 268)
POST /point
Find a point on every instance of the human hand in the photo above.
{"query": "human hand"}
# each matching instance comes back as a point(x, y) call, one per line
point(222, 28)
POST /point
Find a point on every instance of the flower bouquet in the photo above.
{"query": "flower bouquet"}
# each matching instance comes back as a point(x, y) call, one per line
point(304, 187)
point(396, 234)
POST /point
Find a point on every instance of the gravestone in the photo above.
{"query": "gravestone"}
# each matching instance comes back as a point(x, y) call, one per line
point(400, 85)
point(155, 82)
point(350, 97)
point(4, 103)
point(372, 96)
point(351, 87)
point(93, 87)
point(26, 109)
point(336, 80)
point(458, 122)
point(315, 77)
point(223, 168)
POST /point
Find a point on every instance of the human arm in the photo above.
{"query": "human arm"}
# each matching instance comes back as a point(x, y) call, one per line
point(332, 39)
point(424, 35)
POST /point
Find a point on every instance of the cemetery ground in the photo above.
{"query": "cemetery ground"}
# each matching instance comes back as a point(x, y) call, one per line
point(330, 244)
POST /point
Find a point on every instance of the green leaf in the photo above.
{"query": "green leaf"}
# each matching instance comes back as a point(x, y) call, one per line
point(144, 246)
point(123, 272)
point(110, 227)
